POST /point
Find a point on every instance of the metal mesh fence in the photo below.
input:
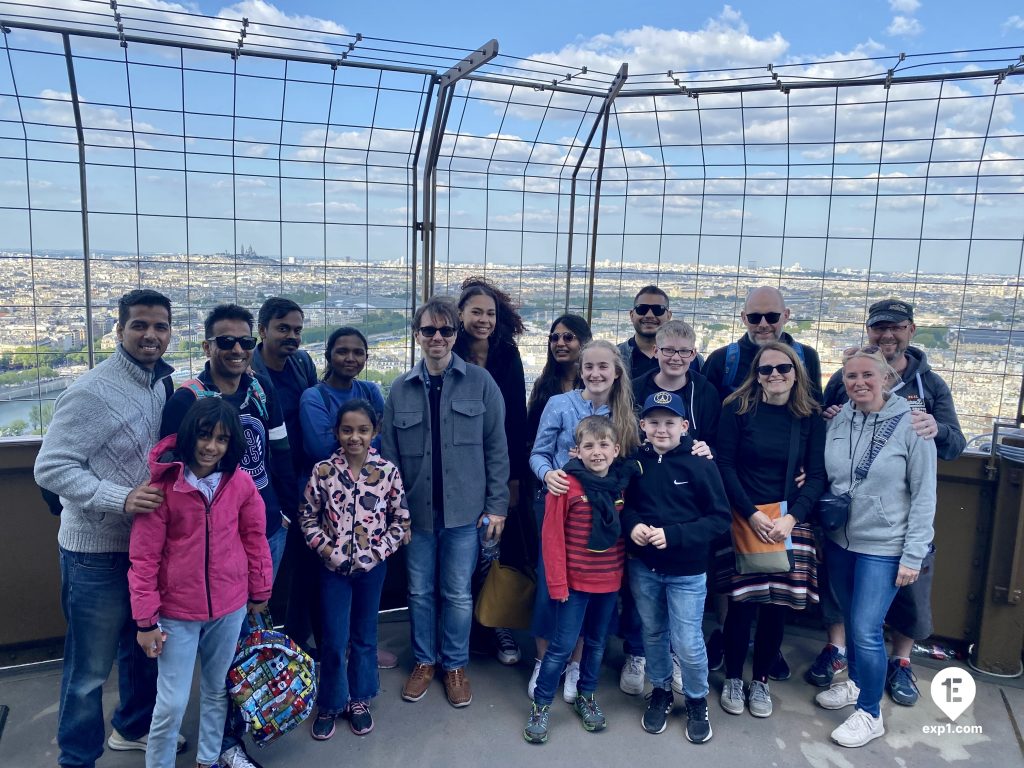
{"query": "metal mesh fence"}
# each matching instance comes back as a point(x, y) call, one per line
point(218, 160)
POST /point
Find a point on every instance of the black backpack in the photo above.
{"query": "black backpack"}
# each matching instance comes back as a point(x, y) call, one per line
point(53, 500)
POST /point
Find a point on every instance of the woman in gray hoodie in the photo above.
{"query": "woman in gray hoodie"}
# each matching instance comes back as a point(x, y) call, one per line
point(886, 537)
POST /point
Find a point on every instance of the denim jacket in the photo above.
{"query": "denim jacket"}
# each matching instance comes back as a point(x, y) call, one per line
point(475, 454)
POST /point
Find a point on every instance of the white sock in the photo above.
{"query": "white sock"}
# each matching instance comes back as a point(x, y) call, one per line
point(841, 649)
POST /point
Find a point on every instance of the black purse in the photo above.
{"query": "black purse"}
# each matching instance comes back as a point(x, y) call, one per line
point(832, 510)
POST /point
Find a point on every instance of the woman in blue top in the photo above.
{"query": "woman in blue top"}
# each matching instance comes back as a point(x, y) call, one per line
point(346, 354)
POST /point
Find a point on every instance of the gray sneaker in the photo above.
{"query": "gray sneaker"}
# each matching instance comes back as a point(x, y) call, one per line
point(759, 699)
point(590, 713)
point(732, 700)
point(536, 730)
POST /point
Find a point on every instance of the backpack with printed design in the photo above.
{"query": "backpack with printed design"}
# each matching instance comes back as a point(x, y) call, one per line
point(272, 681)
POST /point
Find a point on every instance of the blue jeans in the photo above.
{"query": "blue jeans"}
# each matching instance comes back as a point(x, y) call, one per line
point(276, 542)
point(94, 597)
point(349, 604)
point(671, 610)
point(865, 586)
point(447, 555)
point(215, 642)
point(630, 627)
point(584, 612)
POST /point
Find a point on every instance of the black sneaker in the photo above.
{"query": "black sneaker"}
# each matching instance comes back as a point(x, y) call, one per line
point(323, 727)
point(659, 704)
point(779, 669)
point(359, 718)
point(830, 662)
point(716, 650)
point(698, 726)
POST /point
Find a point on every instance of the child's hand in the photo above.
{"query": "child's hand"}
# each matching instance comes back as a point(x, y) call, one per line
point(557, 482)
point(640, 534)
point(257, 608)
point(408, 536)
point(657, 538)
point(152, 642)
point(700, 448)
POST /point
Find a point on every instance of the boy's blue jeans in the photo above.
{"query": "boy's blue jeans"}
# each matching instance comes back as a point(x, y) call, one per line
point(214, 642)
point(94, 596)
point(584, 613)
point(865, 586)
point(671, 611)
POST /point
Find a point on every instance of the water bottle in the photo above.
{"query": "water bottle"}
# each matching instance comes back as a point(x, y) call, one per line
point(488, 547)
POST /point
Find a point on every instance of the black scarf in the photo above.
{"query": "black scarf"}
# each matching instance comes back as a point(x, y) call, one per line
point(602, 493)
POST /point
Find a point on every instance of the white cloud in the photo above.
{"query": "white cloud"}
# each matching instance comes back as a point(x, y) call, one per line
point(904, 6)
point(260, 11)
point(1014, 22)
point(904, 26)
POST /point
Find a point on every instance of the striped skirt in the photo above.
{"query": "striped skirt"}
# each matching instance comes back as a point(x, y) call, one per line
point(796, 588)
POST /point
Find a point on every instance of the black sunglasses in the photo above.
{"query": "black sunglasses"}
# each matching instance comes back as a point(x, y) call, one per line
point(565, 337)
point(754, 318)
point(227, 343)
point(428, 331)
point(782, 368)
point(657, 309)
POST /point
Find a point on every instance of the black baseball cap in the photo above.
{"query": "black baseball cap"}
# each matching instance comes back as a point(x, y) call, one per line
point(890, 311)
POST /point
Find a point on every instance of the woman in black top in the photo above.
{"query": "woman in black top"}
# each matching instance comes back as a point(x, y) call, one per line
point(770, 413)
point(566, 339)
point(488, 327)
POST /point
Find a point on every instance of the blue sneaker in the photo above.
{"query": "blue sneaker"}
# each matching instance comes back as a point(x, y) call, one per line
point(830, 662)
point(899, 681)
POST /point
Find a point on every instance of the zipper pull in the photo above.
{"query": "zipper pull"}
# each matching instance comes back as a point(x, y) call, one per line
point(659, 458)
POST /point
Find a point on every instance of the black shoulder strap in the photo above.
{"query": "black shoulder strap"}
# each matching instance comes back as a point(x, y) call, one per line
point(877, 443)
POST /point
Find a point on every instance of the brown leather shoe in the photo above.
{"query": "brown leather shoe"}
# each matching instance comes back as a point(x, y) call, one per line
point(456, 685)
point(416, 686)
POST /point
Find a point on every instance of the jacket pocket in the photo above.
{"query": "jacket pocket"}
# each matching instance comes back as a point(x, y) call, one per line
point(468, 426)
point(879, 512)
point(409, 431)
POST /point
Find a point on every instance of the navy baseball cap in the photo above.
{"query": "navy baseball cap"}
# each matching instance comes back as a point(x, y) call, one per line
point(890, 311)
point(670, 401)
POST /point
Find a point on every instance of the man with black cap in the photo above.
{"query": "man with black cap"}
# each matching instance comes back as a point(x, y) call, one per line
point(890, 327)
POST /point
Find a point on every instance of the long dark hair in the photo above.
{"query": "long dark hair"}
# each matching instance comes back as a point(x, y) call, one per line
point(337, 333)
point(508, 324)
point(203, 417)
point(549, 383)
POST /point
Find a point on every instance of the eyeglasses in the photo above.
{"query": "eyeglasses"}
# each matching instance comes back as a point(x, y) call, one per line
point(227, 343)
point(754, 318)
point(565, 337)
point(669, 353)
point(428, 331)
point(782, 368)
point(657, 309)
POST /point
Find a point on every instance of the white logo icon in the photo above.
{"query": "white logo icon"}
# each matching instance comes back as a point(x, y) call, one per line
point(684, 482)
point(953, 691)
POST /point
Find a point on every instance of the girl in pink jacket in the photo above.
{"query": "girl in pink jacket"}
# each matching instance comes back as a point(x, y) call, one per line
point(355, 516)
point(196, 561)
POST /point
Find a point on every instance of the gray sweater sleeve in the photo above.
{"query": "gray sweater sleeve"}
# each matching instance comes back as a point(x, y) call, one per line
point(62, 465)
point(921, 478)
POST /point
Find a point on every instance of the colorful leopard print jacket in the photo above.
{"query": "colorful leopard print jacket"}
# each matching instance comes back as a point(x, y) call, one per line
point(353, 525)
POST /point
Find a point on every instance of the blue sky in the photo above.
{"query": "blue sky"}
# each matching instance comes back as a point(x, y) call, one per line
point(506, 173)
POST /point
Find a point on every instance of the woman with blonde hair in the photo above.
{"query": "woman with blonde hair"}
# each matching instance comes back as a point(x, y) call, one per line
point(771, 430)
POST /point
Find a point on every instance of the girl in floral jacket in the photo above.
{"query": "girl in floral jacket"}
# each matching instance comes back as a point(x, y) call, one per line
point(355, 516)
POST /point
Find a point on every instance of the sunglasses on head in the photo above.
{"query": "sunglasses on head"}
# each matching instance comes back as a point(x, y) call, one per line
point(428, 331)
point(754, 318)
point(565, 337)
point(782, 368)
point(227, 343)
point(657, 309)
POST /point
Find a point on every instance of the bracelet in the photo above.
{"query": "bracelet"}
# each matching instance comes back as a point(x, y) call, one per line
point(149, 628)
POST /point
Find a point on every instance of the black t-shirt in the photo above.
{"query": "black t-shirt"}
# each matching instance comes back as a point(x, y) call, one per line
point(437, 471)
point(641, 363)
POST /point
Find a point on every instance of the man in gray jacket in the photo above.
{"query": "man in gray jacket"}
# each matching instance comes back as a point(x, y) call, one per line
point(890, 327)
point(95, 457)
point(444, 427)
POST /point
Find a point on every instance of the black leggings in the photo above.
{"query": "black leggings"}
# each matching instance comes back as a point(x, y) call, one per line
point(771, 623)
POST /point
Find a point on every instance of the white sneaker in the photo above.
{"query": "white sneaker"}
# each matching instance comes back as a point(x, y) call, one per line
point(677, 675)
point(236, 757)
point(119, 743)
point(839, 695)
point(631, 680)
point(532, 685)
point(572, 679)
point(858, 730)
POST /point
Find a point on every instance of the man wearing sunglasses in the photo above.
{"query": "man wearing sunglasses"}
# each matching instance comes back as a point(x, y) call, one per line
point(890, 327)
point(650, 311)
point(444, 428)
point(765, 315)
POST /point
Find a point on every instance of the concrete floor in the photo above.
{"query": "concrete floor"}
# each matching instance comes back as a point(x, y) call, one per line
point(488, 733)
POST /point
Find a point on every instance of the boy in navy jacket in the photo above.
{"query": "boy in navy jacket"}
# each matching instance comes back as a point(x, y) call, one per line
point(674, 509)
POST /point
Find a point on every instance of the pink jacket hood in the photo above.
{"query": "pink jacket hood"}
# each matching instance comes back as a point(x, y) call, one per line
point(196, 561)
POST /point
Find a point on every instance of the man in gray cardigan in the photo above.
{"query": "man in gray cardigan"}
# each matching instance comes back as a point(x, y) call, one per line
point(444, 427)
point(95, 457)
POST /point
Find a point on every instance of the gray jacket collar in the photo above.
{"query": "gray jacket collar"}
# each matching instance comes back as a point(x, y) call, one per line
point(144, 376)
point(418, 371)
